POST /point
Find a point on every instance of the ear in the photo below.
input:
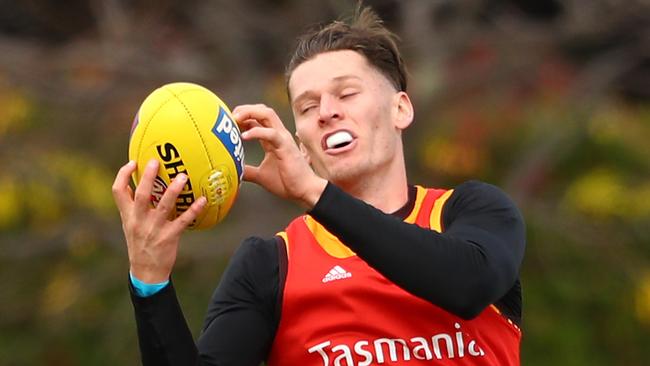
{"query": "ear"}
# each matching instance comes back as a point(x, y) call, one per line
point(403, 110)
point(303, 150)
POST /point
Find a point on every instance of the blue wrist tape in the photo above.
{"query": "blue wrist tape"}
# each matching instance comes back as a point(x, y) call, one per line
point(146, 289)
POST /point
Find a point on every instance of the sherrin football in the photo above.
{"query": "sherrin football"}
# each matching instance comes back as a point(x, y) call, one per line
point(190, 130)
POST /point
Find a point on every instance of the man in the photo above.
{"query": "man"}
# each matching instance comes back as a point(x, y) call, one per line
point(378, 271)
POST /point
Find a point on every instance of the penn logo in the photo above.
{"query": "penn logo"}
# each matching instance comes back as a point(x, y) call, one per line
point(136, 120)
point(159, 188)
point(227, 131)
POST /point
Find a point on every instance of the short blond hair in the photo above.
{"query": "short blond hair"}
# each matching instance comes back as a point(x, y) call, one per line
point(364, 33)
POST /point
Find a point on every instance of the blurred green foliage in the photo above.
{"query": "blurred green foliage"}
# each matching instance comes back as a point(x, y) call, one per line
point(549, 100)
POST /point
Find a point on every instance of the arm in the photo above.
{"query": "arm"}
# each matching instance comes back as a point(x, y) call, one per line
point(240, 323)
point(163, 335)
point(152, 243)
point(243, 315)
point(473, 263)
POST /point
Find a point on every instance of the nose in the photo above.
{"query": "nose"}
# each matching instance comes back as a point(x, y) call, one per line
point(329, 109)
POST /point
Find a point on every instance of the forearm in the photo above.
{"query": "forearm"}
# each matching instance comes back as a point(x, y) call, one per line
point(462, 270)
point(163, 335)
point(241, 319)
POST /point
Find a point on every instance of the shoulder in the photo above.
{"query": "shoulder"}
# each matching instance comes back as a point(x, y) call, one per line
point(254, 267)
point(252, 273)
point(257, 255)
point(479, 194)
point(479, 198)
point(255, 245)
point(249, 283)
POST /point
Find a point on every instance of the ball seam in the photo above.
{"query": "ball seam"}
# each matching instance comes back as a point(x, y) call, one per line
point(148, 122)
point(198, 131)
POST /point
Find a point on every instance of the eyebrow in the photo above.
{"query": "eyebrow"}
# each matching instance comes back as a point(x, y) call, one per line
point(311, 93)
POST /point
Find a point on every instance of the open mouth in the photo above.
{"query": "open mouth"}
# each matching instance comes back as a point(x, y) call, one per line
point(338, 140)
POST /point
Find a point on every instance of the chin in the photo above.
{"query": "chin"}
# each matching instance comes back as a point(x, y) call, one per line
point(345, 177)
point(344, 172)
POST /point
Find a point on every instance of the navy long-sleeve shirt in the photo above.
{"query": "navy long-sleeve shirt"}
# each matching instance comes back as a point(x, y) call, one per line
point(473, 263)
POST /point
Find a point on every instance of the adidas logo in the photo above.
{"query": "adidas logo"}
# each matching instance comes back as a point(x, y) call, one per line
point(336, 273)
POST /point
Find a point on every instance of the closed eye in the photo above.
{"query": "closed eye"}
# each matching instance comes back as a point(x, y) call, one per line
point(348, 95)
point(307, 108)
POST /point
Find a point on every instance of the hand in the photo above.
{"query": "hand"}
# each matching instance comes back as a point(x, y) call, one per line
point(284, 171)
point(151, 238)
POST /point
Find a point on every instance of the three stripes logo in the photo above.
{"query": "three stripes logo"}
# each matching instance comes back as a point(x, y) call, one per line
point(336, 273)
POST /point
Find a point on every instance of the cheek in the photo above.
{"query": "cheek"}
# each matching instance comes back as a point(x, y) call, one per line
point(306, 138)
point(384, 133)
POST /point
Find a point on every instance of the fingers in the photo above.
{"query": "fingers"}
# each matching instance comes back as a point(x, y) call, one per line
point(143, 190)
point(251, 173)
point(125, 199)
point(264, 134)
point(248, 124)
point(122, 193)
point(187, 217)
point(168, 199)
point(264, 115)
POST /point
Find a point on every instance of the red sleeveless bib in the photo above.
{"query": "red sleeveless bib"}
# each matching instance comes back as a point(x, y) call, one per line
point(337, 310)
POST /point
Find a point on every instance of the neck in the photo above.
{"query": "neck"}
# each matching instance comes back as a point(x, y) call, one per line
point(386, 192)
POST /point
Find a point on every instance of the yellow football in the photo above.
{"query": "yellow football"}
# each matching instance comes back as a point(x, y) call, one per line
point(190, 130)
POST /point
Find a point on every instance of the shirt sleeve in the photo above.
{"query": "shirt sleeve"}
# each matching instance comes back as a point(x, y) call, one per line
point(243, 314)
point(241, 320)
point(144, 289)
point(472, 264)
point(163, 335)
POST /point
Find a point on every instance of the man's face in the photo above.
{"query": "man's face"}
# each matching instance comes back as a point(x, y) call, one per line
point(347, 116)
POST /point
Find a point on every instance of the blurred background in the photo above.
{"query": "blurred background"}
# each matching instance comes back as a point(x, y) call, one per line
point(548, 99)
